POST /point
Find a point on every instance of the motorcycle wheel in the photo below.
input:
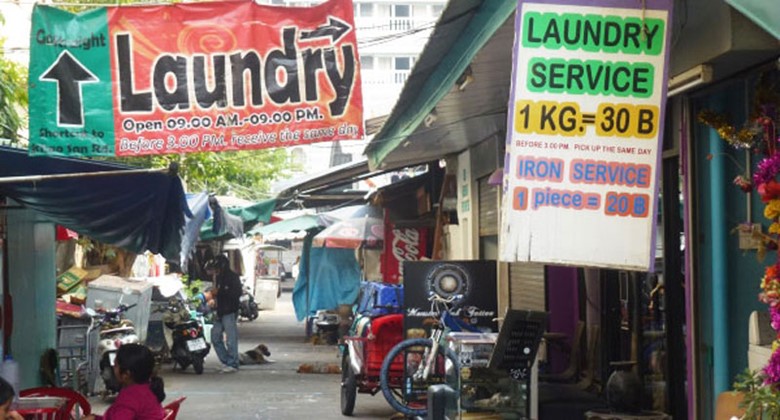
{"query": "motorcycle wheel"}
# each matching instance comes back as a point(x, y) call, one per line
point(109, 381)
point(197, 364)
point(253, 311)
point(183, 364)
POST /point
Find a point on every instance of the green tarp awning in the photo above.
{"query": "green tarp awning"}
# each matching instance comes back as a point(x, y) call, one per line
point(764, 13)
point(464, 28)
point(293, 224)
point(251, 215)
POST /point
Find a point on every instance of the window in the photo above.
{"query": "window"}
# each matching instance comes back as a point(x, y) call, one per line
point(437, 9)
point(298, 157)
point(384, 63)
point(403, 63)
point(364, 9)
point(402, 10)
point(367, 62)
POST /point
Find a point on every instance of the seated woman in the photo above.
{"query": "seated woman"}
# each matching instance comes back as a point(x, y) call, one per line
point(6, 398)
point(142, 391)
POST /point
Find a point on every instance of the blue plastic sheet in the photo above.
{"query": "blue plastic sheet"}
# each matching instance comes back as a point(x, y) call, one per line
point(199, 206)
point(332, 277)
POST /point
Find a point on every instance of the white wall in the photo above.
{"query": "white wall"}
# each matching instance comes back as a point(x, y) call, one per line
point(467, 207)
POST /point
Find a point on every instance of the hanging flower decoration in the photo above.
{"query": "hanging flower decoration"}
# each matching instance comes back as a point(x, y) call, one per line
point(744, 138)
point(760, 136)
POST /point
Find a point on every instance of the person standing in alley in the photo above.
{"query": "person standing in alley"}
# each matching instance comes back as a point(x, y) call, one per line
point(226, 292)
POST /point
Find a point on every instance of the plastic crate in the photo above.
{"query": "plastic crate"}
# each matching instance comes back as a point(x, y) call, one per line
point(110, 289)
point(77, 349)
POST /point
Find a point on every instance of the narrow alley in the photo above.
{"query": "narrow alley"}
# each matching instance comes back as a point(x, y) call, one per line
point(271, 391)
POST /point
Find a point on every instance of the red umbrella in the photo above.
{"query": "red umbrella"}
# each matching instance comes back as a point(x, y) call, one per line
point(362, 229)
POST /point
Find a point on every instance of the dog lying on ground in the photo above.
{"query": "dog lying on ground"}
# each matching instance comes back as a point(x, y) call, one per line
point(256, 356)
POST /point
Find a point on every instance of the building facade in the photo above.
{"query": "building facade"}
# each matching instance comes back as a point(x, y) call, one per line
point(390, 34)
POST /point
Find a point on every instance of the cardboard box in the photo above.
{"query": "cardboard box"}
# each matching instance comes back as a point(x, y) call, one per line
point(70, 279)
point(77, 295)
point(96, 271)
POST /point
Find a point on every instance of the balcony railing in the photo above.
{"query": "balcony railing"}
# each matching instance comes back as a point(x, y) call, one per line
point(384, 77)
point(391, 24)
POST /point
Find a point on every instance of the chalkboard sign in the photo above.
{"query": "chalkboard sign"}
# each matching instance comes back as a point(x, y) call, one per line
point(517, 342)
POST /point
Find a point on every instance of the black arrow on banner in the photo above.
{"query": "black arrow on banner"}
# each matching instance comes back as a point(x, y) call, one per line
point(69, 74)
point(335, 28)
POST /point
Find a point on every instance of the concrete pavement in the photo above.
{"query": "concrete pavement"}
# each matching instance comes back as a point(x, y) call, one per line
point(271, 391)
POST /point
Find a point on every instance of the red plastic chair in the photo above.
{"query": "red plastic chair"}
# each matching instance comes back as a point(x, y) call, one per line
point(69, 410)
point(172, 409)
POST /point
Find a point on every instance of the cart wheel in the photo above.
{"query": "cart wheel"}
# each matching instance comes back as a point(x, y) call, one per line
point(348, 387)
point(409, 354)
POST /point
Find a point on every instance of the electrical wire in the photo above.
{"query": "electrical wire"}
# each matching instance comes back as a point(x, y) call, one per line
point(364, 43)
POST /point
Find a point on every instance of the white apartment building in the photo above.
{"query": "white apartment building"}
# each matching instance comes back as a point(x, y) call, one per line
point(391, 34)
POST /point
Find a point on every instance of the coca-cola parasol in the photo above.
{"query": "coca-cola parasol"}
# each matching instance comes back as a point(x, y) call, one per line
point(363, 228)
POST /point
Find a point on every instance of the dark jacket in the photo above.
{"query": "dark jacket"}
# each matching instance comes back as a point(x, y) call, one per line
point(229, 290)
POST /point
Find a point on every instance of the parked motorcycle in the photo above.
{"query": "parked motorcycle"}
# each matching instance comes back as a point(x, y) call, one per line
point(247, 307)
point(115, 331)
point(158, 338)
point(189, 343)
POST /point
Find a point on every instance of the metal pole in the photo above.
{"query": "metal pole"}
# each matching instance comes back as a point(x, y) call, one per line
point(718, 227)
point(51, 177)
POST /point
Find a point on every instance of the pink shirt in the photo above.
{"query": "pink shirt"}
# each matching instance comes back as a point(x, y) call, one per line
point(135, 402)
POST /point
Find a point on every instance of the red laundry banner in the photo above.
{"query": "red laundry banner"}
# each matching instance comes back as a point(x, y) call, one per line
point(402, 244)
point(192, 77)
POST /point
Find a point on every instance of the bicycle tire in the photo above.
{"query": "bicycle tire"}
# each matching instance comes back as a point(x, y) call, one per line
point(348, 386)
point(384, 374)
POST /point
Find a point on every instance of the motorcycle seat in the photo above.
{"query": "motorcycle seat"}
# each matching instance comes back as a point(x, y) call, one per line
point(116, 330)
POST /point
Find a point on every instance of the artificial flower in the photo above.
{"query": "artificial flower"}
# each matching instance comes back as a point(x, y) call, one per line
point(775, 318)
point(772, 369)
point(743, 183)
point(769, 191)
point(772, 209)
point(767, 169)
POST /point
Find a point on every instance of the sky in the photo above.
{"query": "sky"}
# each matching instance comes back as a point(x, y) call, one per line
point(16, 29)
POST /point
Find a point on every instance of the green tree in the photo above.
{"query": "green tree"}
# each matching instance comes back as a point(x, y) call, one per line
point(245, 174)
point(13, 95)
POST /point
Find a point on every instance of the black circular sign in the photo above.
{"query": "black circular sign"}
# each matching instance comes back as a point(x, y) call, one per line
point(447, 280)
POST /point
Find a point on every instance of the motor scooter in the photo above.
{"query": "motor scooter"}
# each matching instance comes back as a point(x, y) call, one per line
point(247, 307)
point(158, 337)
point(189, 343)
point(115, 331)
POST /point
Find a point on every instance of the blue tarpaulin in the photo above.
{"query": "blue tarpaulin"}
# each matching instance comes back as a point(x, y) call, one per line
point(199, 206)
point(137, 212)
point(328, 278)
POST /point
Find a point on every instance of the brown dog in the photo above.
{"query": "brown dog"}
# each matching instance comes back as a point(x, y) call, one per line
point(257, 356)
